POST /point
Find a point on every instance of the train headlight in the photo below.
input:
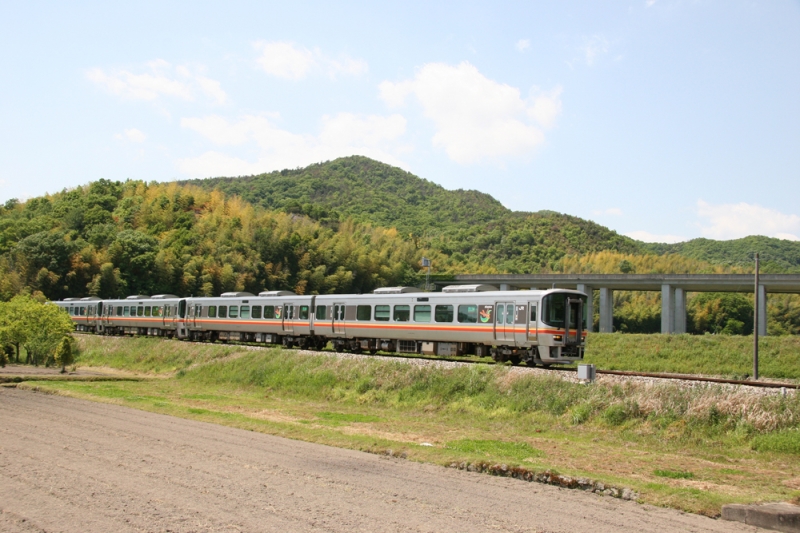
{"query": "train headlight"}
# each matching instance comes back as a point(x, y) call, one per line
point(557, 337)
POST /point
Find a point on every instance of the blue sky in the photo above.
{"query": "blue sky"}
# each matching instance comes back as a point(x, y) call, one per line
point(663, 120)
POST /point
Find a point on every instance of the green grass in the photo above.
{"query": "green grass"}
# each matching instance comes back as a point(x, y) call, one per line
point(787, 441)
point(673, 474)
point(347, 417)
point(495, 449)
point(721, 355)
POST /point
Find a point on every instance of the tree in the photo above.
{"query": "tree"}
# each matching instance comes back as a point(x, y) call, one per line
point(725, 313)
point(63, 355)
point(39, 327)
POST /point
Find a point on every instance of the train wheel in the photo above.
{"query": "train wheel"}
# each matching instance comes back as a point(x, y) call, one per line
point(515, 359)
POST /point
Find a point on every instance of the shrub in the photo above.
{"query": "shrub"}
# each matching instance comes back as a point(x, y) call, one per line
point(63, 355)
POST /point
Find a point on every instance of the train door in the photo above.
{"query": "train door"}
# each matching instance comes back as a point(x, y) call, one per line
point(288, 318)
point(338, 319)
point(181, 319)
point(573, 321)
point(520, 324)
point(533, 324)
point(504, 322)
point(198, 310)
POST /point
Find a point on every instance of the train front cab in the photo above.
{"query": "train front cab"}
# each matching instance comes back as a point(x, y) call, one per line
point(562, 326)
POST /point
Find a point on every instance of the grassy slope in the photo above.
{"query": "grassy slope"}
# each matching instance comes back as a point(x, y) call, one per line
point(694, 450)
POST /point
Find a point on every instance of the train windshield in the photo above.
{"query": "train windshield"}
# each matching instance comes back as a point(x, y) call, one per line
point(554, 310)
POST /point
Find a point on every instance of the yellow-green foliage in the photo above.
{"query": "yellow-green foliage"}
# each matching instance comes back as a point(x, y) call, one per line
point(63, 354)
point(610, 262)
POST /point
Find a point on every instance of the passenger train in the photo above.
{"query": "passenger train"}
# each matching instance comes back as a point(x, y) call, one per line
point(533, 326)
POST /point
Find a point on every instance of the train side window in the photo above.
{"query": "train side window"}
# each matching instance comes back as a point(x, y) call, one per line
point(444, 313)
point(402, 313)
point(422, 313)
point(157, 311)
point(382, 313)
point(269, 312)
point(119, 310)
point(244, 312)
point(303, 312)
point(278, 312)
point(212, 311)
point(256, 311)
point(364, 312)
point(533, 313)
point(147, 310)
point(233, 311)
point(222, 311)
point(468, 313)
point(321, 312)
point(126, 311)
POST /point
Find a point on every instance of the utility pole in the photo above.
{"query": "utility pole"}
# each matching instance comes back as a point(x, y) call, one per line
point(755, 325)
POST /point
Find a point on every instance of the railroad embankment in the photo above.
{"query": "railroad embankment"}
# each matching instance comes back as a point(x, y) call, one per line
point(694, 448)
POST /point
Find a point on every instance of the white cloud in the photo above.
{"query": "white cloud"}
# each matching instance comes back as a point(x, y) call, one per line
point(132, 134)
point(160, 79)
point(523, 44)
point(613, 211)
point(593, 47)
point(287, 61)
point(476, 118)
point(646, 236)
point(546, 107)
point(340, 135)
point(733, 221)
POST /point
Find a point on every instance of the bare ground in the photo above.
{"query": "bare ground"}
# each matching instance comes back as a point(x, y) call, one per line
point(78, 466)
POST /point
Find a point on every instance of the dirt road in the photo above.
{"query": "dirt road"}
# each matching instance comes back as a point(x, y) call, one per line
point(77, 466)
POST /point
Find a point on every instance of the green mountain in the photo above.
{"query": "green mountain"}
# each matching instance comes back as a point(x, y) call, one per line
point(470, 230)
point(777, 256)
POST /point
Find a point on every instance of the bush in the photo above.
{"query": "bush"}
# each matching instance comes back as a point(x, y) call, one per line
point(63, 355)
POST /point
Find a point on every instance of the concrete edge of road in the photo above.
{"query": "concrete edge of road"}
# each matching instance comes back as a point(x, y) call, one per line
point(776, 516)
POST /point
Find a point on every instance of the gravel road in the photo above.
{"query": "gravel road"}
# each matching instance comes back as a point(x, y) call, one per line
point(78, 466)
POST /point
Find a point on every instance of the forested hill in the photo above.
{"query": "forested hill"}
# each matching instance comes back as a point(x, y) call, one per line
point(470, 229)
point(777, 256)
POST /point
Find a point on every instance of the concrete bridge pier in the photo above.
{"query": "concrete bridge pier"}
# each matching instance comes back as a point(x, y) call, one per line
point(680, 310)
point(606, 310)
point(667, 309)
